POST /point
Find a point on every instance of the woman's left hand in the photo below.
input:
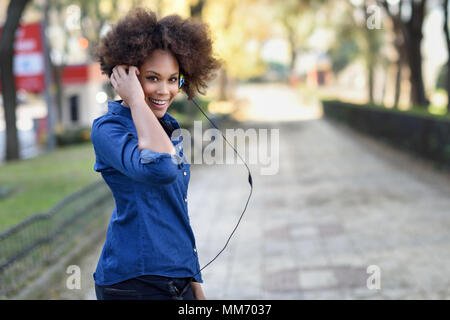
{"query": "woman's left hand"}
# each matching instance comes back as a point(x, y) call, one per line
point(198, 291)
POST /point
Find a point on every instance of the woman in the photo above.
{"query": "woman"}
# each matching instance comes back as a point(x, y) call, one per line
point(150, 250)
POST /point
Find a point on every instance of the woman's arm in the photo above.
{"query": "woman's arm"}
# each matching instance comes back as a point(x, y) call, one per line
point(198, 291)
point(151, 134)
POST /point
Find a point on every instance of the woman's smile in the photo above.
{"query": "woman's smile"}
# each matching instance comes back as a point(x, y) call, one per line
point(160, 104)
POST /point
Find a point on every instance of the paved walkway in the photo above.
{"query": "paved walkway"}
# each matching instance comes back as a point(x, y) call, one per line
point(339, 203)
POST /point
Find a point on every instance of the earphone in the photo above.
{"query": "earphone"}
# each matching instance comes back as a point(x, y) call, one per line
point(180, 83)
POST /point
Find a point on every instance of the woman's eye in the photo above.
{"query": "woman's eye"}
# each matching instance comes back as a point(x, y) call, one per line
point(153, 78)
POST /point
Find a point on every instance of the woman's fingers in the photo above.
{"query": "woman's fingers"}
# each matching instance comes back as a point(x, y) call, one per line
point(113, 81)
point(124, 71)
point(115, 75)
point(135, 70)
point(121, 70)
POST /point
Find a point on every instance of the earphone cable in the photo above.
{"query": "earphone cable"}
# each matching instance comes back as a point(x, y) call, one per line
point(250, 181)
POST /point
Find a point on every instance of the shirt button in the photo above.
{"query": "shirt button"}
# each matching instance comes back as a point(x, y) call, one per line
point(195, 250)
point(184, 173)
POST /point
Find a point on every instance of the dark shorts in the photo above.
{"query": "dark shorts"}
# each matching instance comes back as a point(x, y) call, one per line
point(147, 287)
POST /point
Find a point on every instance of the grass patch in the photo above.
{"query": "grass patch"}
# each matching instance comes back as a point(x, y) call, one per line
point(40, 183)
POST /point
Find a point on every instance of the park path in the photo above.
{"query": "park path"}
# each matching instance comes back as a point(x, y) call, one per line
point(339, 203)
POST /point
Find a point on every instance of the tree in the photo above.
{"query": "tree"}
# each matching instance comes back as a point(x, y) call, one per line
point(196, 8)
point(372, 47)
point(359, 35)
point(95, 17)
point(232, 32)
point(399, 44)
point(14, 14)
point(447, 40)
point(57, 67)
point(411, 29)
point(295, 13)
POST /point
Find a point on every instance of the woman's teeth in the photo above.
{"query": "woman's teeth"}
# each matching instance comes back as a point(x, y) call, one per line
point(160, 102)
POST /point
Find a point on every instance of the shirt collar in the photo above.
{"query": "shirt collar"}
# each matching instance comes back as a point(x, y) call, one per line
point(116, 107)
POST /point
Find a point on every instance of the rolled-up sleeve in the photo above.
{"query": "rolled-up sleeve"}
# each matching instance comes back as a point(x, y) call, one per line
point(116, 145)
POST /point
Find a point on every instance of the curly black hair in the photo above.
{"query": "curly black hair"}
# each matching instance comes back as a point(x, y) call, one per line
point(133, 38)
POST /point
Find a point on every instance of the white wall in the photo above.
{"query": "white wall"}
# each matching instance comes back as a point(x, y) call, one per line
point(88, 107)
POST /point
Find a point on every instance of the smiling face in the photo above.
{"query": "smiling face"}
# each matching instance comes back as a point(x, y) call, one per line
point(159, 79)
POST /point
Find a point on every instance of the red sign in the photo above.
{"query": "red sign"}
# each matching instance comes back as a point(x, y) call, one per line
point(75, 74)
point(29, 58)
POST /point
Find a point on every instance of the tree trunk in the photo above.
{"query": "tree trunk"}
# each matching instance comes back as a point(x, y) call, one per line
point(399, 44)
point(196, 10)
point(59, 93)
point(293, 51)
point(413, 37)
point(371, 58)
point(223, 85)
point(370, 81)
point(9, 103)
point(398, 81)
point(415, 64)
point(447, 40)
point(14, 13)
point(385, 83)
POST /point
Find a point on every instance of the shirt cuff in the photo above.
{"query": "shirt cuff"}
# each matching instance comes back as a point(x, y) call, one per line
point(198, 278)
point(151, 156)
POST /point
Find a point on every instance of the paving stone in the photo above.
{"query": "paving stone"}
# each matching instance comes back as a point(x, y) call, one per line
point(317, 279)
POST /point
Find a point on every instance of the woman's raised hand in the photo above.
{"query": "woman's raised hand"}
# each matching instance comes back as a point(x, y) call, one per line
point(126, 83)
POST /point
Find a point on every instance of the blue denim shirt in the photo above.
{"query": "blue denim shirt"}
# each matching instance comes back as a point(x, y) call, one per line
point(149, 232)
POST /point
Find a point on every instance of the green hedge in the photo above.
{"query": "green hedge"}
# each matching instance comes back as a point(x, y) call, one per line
point(186, 112)
point(422, 134)
point(73, 136)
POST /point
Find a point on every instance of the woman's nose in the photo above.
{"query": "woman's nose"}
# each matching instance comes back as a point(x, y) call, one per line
point(162, 88)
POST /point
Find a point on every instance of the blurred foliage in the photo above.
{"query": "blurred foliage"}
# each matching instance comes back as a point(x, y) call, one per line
point(354, 39)
point(73, 136)
point(185, 112)
point(343, 54)
point(238, 39)
point(442, 78)
point(299, 18)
